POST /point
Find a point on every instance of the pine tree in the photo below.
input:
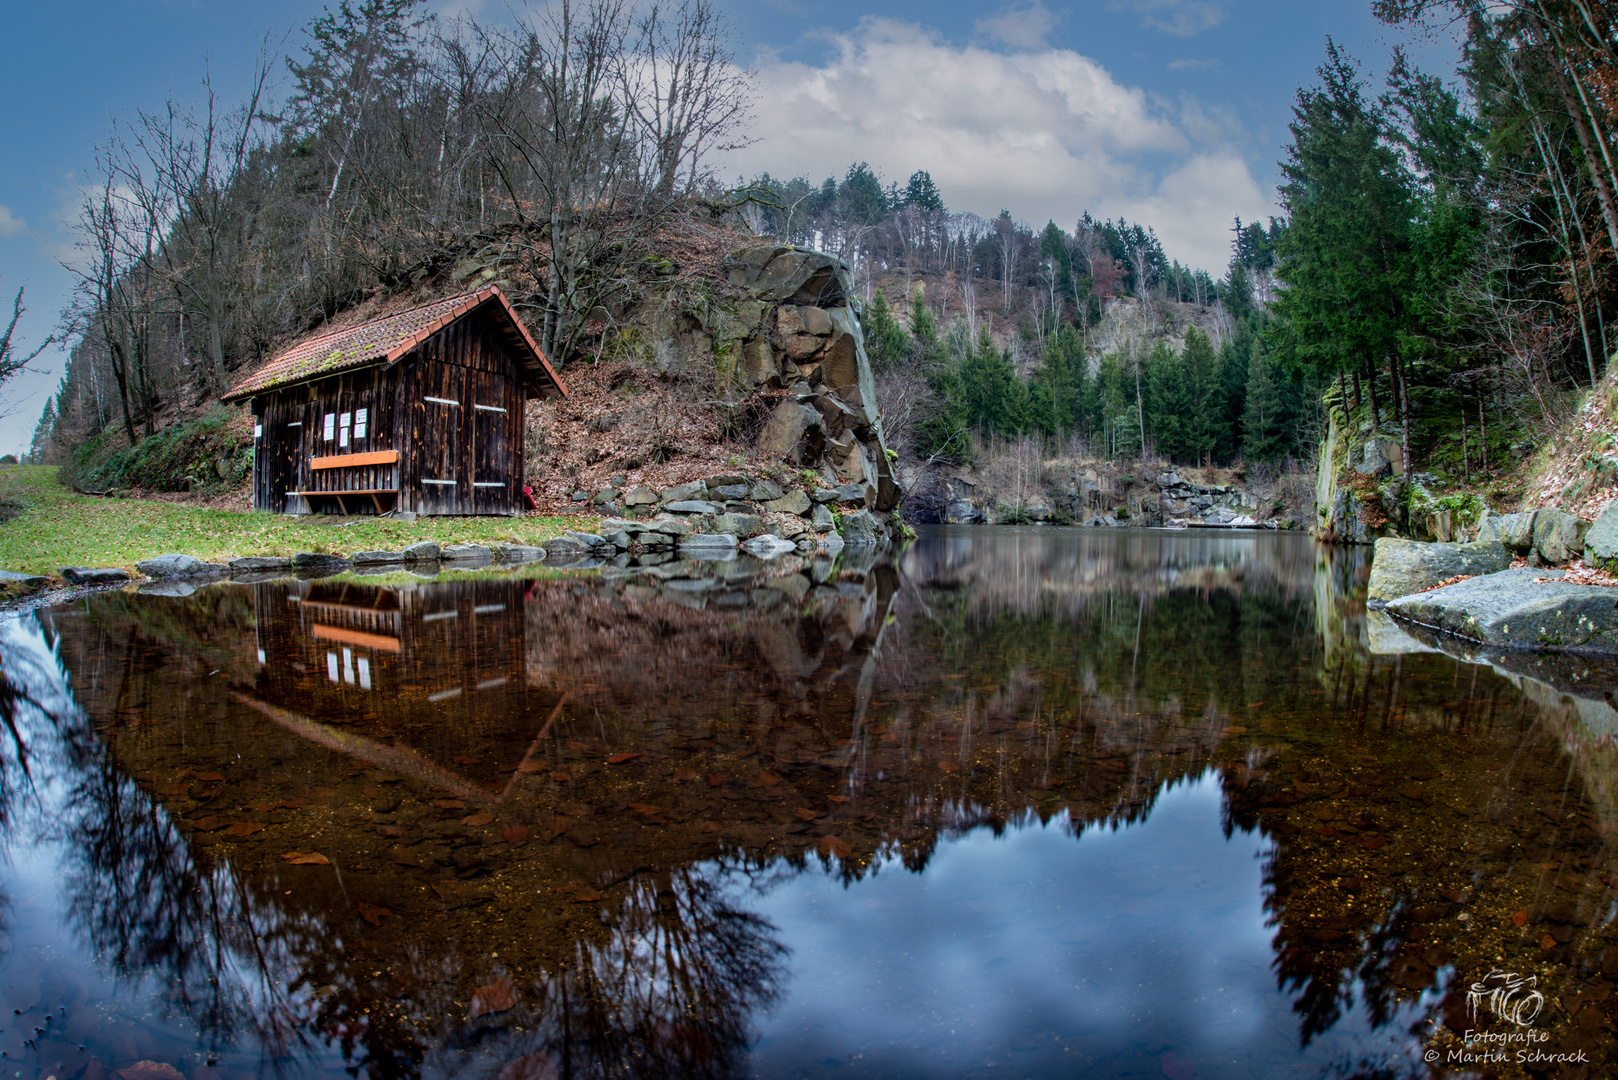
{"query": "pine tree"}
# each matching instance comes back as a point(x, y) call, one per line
point(1061, 372)
point(1205, 427)
point(1170, 404)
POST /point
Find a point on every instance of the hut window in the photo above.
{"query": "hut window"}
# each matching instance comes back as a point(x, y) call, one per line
point(450, 483)
point(360, 416)
point(329, 429)
point(364, 667)
point(331, 666)
point(343, 425)
point(296, 423)
point(489, 408)
point(442, 401)
point(258, 431)
point(488, 483)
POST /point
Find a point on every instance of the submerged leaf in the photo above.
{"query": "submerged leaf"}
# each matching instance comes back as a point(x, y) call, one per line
point(1519, 919)
point(462, 759)
point(515, 834)
point(497, 997)
point(244, 828)
point(619, 759)
point(373, 913)
point(477, 820)
point(805, 814)
point(835, 847)
point(449, 804)
point(313, 858)
point(684, 775)
point(561, 777)
point(531, 1067)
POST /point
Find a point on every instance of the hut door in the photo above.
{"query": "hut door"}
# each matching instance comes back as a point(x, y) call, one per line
point(442, 470)
point(491, 443)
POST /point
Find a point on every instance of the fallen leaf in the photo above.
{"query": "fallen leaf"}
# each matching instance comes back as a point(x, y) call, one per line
point(766, 779)
point(1520, 919)
point(717, 779)
point(244, 828)
point(313, 858)
point(1547, 943)
point(584, 895)
point(477, 820)
point(838, 798)
point(209, 823)
point(449, 804)
point(682, 776)
point(462, 759)
point(530, 767)
point(835, 847)
point(619, 759)
point(1372, 843)
point(1454, 896)
point(373, 913)
point(1234, 729)
point(561, 777)
point(1413, 793)
point(497, 997)
point(174, 790)
point(711, 826)
point(644, 808)
point(209, 776)
point(805, 813)
point(515, 834)
point(560, 825)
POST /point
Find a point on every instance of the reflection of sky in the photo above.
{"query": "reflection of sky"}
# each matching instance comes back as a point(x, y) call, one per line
point(1140, 951)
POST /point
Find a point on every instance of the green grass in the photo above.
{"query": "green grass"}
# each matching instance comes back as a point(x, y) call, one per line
point(58, 527)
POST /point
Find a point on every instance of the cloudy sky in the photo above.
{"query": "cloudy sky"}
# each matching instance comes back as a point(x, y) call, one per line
point(1169, 112)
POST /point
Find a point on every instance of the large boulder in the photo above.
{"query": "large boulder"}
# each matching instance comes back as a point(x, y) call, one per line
point(1517, 531)
point(1601, 542)
point(1558, 536)
point(176, 565)
point(793, 275)
point(860, 528)
point(1519, 609)
point(1402, 567)
point(788, 434)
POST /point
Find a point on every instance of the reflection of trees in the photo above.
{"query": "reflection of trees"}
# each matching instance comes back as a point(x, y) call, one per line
point(670, 993)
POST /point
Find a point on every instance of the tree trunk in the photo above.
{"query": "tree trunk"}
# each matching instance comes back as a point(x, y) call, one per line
point(1397, 364)
point(1376, 408)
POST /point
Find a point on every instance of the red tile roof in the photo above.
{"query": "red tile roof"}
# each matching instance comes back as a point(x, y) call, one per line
point(385, 340)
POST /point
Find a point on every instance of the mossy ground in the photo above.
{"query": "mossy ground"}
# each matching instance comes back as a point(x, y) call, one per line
point(58, 527)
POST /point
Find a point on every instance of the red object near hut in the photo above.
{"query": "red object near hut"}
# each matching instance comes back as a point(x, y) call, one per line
point(419, 411)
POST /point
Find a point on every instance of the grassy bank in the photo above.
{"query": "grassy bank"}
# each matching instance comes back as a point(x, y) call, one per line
point(57, 527)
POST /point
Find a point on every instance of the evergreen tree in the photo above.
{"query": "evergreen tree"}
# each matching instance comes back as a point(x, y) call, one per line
point(1266, 422)
point(1170, 401)
point(1062, 373)
point(1205, 427)
point(886, 342)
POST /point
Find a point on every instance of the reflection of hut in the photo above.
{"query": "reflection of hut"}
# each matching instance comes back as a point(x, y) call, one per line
point(413, 675)
point(419, 411)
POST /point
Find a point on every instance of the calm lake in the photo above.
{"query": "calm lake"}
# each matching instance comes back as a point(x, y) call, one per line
point(1008, 803)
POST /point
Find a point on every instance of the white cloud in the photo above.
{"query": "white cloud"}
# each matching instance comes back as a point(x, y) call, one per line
point(1182, 18)
point(9, 225)
point(1045, 133)
point(1019, 28)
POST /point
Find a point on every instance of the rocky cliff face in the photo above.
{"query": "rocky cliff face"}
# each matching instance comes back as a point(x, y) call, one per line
point(781, 327)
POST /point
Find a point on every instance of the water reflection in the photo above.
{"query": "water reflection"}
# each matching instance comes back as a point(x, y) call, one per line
point(1177, 790)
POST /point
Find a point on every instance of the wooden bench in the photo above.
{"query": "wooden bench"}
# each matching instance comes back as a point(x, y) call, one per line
point(375, 494)
point(350, 461)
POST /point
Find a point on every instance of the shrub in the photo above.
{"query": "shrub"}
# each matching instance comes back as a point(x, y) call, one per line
point(202, 454)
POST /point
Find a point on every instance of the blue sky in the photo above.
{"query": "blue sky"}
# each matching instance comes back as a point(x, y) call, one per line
point(1172, 112)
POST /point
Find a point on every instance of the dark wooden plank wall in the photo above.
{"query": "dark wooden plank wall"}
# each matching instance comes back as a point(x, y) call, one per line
point(291, 431)
point(466, 460)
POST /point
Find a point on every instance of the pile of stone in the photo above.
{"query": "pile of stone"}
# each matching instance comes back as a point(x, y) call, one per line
point(1184, 505)
point(727, 512)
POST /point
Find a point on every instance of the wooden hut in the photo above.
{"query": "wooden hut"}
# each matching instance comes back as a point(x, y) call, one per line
point(420, 411)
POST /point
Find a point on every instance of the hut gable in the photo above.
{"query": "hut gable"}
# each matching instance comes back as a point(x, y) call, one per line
point(417, 412)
